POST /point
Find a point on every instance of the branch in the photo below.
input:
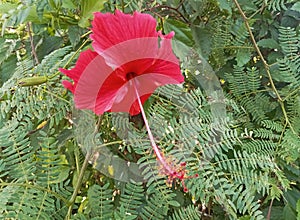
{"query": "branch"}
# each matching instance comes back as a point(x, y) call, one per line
point(70, 60)
point(269, 210)
point(32, 44)
point(266, 65)
point(78, 185)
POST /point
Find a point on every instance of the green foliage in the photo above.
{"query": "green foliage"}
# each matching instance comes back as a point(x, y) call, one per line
point(188, 213)
point(131, 200)
point(100, 197)
point(246, 159)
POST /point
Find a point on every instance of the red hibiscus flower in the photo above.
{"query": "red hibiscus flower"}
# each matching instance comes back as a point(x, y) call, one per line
point(126, 47)
point(130, 60)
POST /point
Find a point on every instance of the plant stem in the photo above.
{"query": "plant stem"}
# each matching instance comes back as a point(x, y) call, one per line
point(78, 185)
point(32, 44)
point(266, 65)
point(150, 135)
point(269, 210)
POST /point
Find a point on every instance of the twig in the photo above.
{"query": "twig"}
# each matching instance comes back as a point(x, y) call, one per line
point(78, 185)
point(269, 210)
point(176, 10)
point(123, 5)
point(180, 4)
point(266, 65)
point(70, 60)
point(32, 44)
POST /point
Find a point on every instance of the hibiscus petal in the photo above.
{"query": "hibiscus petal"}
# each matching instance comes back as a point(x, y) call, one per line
point(165, 69)
point(125, 99)
point(89, 73)
point(122, 38)
point(90, 83)
point(84, 59)
point(111, 29)
point(68, 85)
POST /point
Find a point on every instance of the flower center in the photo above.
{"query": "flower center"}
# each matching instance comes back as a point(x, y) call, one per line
point(130, 75)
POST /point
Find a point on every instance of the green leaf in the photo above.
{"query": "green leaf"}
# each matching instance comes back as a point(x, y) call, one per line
point(225, 5)
point(88, 7)
point(248, 5)
point(174, 203)
point(268, 43)
point(182, 31)
point(243, 57)
point(6, 7)
point(296, 7)
point(68, 4)
point(33, 15)
point(63, 174)
point(203, 39)
point(288, 212)
point(50, 43)
point(75, 33)
point(7, 68)
point(292, 196)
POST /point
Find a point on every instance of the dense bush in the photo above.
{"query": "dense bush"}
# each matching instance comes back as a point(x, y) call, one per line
point(235, 121)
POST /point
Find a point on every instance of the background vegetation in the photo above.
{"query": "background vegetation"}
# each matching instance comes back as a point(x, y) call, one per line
point(247, 159)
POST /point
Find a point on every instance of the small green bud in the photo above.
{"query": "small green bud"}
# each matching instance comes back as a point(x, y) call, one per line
point(31, 81)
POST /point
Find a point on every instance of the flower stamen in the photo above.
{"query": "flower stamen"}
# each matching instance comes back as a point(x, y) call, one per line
point(167, 167)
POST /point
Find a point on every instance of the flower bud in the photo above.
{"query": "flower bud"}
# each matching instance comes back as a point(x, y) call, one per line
point(31, 81)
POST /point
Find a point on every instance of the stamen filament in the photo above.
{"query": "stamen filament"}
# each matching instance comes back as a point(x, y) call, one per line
point(150, 135)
